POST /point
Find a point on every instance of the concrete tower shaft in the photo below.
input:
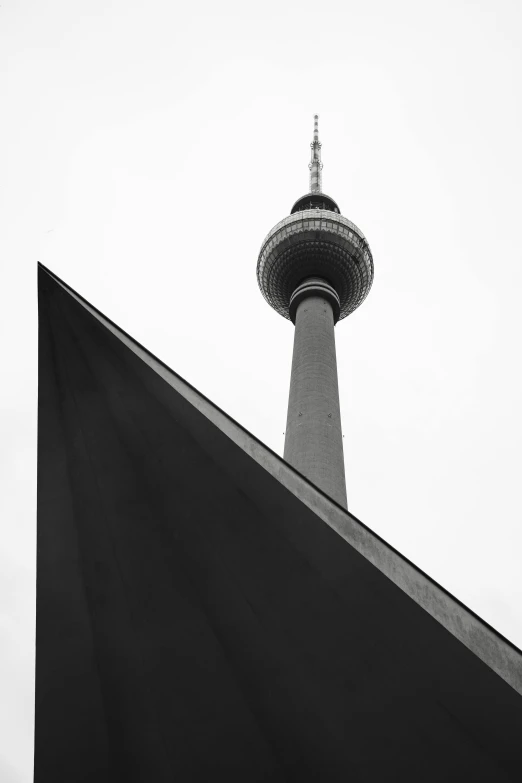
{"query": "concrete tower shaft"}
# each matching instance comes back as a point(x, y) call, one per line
point(315, 267)
point(314, 440)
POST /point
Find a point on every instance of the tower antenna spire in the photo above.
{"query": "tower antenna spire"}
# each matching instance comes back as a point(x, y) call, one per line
point(315, 164)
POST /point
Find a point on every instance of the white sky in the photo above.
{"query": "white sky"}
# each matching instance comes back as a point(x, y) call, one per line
point(146, 150)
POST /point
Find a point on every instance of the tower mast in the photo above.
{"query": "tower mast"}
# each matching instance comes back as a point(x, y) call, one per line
point(315, 164)
point(314, 268)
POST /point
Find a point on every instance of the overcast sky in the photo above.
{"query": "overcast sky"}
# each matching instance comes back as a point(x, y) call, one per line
point(146, 150)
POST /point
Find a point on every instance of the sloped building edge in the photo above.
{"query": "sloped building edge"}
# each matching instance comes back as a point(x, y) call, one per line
point(481, 639)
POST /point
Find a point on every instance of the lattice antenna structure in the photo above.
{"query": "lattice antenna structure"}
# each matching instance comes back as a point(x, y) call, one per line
point(315, 164)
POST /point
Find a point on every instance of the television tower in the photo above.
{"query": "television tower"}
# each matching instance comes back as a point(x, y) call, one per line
point(314, 268)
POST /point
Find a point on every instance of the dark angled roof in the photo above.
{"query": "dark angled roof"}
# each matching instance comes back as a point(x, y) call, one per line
point(205, 613)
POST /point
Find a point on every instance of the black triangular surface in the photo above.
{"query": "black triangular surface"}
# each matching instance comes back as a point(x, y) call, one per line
point(196, 620)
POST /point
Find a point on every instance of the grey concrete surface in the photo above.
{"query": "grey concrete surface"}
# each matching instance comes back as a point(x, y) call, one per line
point(313, 440)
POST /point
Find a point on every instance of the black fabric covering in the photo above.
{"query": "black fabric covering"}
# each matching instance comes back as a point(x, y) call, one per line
point(196, 622)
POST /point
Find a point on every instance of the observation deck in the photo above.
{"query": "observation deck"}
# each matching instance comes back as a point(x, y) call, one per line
point(317, 242)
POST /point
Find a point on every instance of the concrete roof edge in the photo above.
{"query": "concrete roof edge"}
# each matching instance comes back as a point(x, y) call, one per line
point(485, 642)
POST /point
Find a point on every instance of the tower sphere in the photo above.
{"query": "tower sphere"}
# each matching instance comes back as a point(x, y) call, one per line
point(315, 240)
